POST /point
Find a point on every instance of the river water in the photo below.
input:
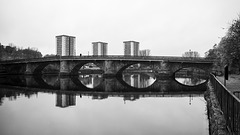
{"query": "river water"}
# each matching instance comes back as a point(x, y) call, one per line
point(89, 104)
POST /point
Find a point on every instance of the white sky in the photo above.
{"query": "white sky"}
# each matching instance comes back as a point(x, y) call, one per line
point(166, 27)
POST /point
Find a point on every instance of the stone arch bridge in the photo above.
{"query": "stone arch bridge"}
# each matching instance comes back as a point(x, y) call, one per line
point(111, 65)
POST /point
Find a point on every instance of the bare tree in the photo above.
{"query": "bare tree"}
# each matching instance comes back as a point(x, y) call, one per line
point(191, 53)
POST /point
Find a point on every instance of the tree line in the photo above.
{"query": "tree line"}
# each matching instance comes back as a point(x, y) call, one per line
point(227, 51)
point(11, 52)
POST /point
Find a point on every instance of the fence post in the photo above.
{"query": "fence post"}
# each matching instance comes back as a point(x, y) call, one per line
point(225, 74)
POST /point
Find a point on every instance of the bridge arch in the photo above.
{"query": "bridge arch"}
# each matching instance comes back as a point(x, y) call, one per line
point(187, 67)
point(130, 63)
point(175, 67)
point(39, 67)
point(78, 65)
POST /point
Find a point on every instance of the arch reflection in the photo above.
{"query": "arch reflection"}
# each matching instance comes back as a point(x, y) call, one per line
point(191, 76)
point(67, 88)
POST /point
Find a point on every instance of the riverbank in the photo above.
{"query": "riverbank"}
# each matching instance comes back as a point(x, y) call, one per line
point(217, 123)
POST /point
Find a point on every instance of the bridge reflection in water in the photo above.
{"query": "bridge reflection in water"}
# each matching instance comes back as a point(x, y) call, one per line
point(91, 104)
point(131, 86)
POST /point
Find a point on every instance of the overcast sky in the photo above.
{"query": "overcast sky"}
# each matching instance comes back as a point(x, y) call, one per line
point(166, 27)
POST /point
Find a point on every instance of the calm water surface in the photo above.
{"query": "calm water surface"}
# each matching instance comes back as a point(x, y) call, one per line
point(100, 110)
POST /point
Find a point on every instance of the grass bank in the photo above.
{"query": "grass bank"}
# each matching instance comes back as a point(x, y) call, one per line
point(233, 82)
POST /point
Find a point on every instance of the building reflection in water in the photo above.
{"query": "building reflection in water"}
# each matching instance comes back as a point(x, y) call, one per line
point(130, 98)
point(139, 80)
point(65, 100)
point(99, 97)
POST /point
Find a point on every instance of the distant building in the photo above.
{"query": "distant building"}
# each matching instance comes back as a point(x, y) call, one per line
point(66, 45)
point(145, 52)
point(131, 48)
point(136, 81)
point(99, 48)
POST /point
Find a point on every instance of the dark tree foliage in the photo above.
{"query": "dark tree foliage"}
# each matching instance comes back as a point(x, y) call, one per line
point(50, 55)
point(228, 50)
point(12, 52)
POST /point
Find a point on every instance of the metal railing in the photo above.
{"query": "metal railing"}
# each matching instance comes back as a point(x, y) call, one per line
point(229, 103)
point(237, 94)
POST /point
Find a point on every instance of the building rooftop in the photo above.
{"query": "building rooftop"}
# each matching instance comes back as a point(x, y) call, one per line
point(130, 41)
point(65, 36)
point(100, 42)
